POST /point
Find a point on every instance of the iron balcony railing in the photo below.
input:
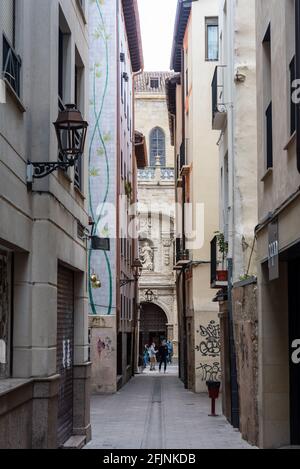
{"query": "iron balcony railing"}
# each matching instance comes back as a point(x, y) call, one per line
point(214, 260)
point(11, 66)
point(182, 158)
point(181, 254)
point(214, 87)
point(219, 111)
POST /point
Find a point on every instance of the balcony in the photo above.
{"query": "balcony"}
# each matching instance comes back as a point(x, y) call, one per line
point(182, 255)
point(11, 67)
point(219, 112)
point(218, 274)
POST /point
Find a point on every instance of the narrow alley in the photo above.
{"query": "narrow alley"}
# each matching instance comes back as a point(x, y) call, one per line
point(155, 412)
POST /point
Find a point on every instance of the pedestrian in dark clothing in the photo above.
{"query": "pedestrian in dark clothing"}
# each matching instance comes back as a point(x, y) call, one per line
point(163, 353)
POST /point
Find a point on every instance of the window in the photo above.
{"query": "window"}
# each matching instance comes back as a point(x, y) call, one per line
point(79, 102)
point(157, 146)
point(212, 39)
point(64, 71)
point(154, 83)
point(11, 65)
point(267, 97)
point(292, 90)
point(269, 135)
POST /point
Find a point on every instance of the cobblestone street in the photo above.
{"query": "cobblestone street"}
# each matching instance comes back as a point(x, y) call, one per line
point(156, 412)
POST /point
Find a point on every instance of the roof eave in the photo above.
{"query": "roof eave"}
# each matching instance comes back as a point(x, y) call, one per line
point(181, 20)
point(133, 30)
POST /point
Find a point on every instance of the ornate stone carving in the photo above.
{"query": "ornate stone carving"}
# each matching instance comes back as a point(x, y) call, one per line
point(167, 243)
point(147, 256)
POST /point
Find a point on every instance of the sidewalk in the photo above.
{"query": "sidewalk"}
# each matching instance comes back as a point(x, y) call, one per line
point(155, 412)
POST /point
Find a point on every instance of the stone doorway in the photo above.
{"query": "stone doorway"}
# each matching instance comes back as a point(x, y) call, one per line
point(153, 326)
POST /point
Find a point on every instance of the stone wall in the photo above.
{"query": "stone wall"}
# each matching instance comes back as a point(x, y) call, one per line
point(246, 340)
point(103, 352)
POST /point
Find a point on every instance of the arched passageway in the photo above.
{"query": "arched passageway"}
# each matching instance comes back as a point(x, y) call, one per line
point(153, 325)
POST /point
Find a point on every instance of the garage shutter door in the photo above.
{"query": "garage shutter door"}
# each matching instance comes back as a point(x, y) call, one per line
point(65, 350)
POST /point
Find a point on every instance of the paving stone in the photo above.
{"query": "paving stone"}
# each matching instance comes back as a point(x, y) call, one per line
point(154, 411)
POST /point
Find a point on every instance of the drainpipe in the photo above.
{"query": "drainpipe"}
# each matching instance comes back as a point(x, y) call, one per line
point(297, 28)
point(231, 165)
point(184, 299)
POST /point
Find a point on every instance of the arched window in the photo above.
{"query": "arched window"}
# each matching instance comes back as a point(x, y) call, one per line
point(157, 146)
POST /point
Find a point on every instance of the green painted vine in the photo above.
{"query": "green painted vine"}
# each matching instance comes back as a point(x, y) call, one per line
point(100, 33)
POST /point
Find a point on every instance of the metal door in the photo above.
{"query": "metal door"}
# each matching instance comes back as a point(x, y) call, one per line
point(65, 346)
point(294, 335)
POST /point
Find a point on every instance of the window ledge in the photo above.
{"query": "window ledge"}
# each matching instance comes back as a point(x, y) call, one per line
point(267, 174)
point(291, 141)
point(14, 96)
point(8, 385)
point(79, 192)
point(82, 12)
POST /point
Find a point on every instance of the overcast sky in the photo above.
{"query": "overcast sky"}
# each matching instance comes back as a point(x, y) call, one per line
point(157, 24)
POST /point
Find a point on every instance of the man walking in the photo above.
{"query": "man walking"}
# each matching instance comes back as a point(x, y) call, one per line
point(163, 356)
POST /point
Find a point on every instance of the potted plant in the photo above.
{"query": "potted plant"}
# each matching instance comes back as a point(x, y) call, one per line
point(222, 274)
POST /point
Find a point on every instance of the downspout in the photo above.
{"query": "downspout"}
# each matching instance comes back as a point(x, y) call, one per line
point(184, 299)
point(235, 420)
point(297, 38)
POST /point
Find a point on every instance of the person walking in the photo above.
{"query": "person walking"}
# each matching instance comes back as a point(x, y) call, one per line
point(170, 352)
point(163, 356)
point(152, 355)
point(146, 356)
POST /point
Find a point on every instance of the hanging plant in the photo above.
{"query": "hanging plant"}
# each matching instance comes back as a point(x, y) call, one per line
point(128, 189)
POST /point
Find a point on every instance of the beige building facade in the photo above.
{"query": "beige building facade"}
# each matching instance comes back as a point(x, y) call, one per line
point(156, 208)
point(234, 118)
point(44, 360)
point(278, 62)
point(195, 55)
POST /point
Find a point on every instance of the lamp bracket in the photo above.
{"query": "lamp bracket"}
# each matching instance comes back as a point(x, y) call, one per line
point(124, 282)
point(42, 169)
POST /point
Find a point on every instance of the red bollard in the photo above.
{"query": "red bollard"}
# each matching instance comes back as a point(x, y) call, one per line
point(213, 391)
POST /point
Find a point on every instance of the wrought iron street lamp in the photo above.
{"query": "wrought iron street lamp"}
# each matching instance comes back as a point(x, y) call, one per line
point(71, 132)
point(137, 269)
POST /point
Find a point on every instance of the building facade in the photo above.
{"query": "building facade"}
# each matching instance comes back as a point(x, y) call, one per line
point(44, 369)
point(234, 117)
point(278, 65)
point(194, 56)
point(115, 56)
point(156, 208)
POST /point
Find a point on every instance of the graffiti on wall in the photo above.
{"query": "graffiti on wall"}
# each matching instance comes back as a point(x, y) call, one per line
point(210, 372)
point(104, 348)
point(209, 347)
point(210, 340)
